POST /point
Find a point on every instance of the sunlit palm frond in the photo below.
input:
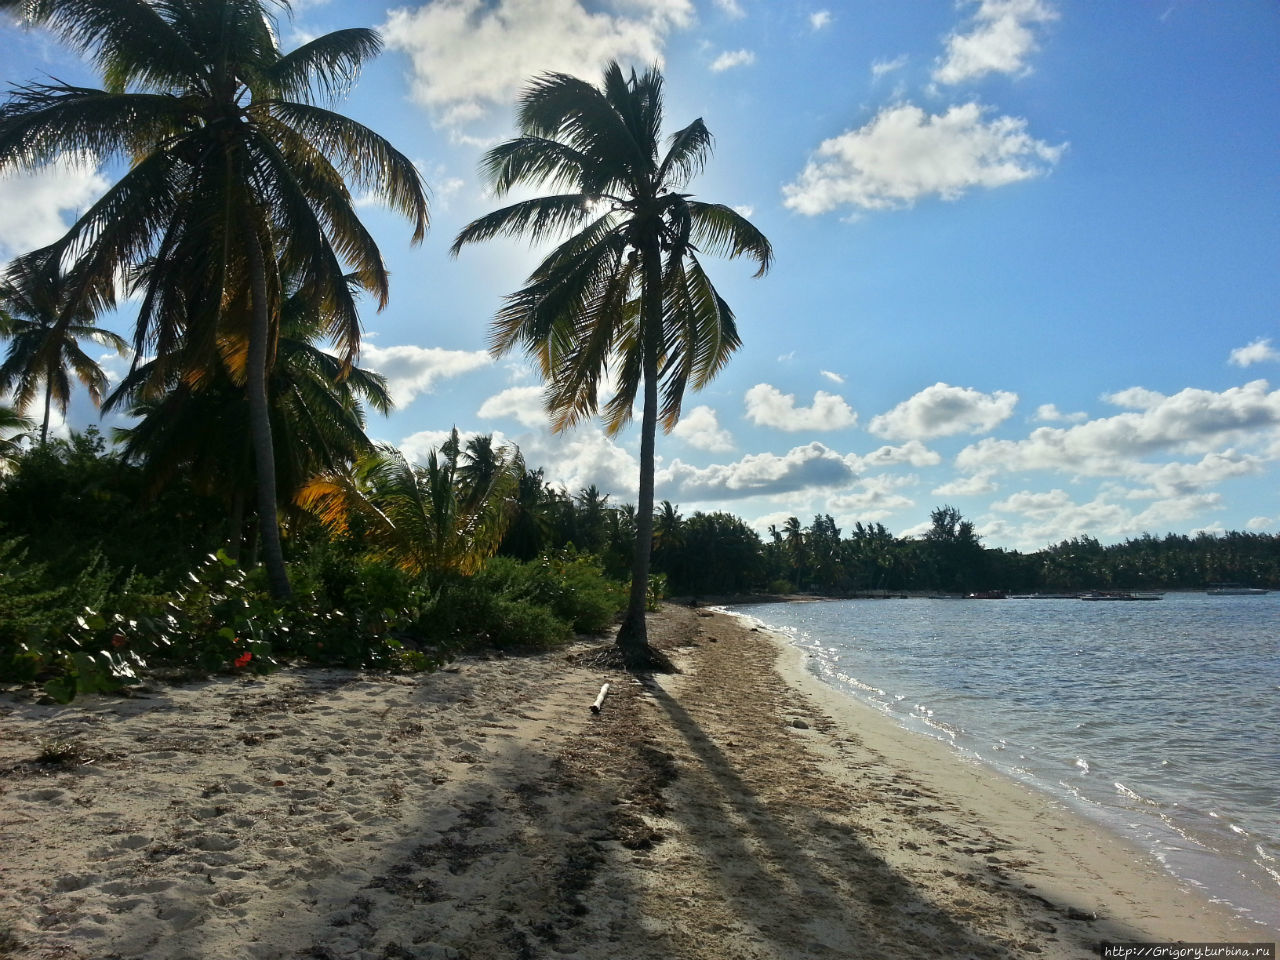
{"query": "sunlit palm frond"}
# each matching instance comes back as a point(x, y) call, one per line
point(721, 230)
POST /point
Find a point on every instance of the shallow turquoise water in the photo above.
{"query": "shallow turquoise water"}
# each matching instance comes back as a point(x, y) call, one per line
point(1160, 719)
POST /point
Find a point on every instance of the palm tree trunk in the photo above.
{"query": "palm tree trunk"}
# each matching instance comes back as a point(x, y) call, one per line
point(633, 635)
point(260, 426)
point(48, 401)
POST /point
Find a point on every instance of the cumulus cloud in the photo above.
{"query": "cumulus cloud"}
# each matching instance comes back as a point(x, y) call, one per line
point(873, 499)
point(469, 56)
point(1260, 351)
point(1192, 421)
point(1049, 413)
point(999, 39)
point(768, 406)
point(523, 404)
point(904, 154)
point(820, 19)
point(942, 411)
point(912, 452)
point(411, 371)
point(581, 457)
point(732, 58)
point(801, 468)
point(1260, 523)
point(36, 207)
point(700, 428)
point(976, 485)
point(1040, 518)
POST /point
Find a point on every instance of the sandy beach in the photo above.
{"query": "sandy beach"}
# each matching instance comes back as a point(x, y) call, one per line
point(738, 809)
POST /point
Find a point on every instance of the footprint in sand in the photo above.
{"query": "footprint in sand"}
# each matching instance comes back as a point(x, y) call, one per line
point(75, 881)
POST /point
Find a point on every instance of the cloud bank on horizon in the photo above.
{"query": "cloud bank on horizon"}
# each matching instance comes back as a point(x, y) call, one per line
point(946, 190)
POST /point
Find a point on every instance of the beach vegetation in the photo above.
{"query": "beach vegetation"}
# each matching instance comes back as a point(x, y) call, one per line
point(623, 305)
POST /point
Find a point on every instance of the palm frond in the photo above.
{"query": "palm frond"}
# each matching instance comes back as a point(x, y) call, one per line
point(367, 159)
point(687, 154)
point(331, 63)
point(538, 218)
point(722, 230)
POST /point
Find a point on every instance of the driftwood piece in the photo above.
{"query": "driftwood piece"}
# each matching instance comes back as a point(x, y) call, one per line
point(604, 692)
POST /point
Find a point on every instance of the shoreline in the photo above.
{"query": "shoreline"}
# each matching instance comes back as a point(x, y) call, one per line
point(1214, 874)
point(738, 810)
point(1077, 857)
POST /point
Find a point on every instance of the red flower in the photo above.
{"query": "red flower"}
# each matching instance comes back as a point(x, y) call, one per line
point(243, 659)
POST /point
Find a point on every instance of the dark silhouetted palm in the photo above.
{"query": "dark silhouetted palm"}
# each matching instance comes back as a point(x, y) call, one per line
point(626, 293)
point(317, 414)
point(237, 178)
point(44, 344)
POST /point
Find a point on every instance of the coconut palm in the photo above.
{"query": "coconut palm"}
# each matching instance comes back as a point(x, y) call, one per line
point(237, 177)
point(44, 352)
point(317, 413)
point(625, 294)
point(425, 519)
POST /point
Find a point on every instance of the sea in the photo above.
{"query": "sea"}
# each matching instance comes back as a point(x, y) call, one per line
point(1158, 719)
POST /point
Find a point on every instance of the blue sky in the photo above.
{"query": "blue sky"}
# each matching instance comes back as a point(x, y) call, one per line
point(1026, 250)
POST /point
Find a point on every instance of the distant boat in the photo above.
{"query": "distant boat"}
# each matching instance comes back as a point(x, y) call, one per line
point(1234, 590)
point(987, 595)
point(1112, 595)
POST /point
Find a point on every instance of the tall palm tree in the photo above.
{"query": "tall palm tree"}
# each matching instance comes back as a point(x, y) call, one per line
point(238, 177)
point(317, 414)
point(44, 334)
point(626, 292)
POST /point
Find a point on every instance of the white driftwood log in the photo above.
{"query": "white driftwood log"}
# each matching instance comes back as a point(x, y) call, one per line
point(604, 692)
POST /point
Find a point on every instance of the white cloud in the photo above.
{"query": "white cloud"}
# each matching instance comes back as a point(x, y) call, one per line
point(37, 207)
point(411, 370)
point(700, 428)
point(943, 410)
point(1049, 413)
point(1044, 517)
point(1192, 421)
point(833, 377)
point(768, 406)
point(976, 485)
point(820, 19)
point(881, 67)
point(1260, 523)
point(913, 452)
point(469, 56)
point(873, 499)
point(786, 357)
point(808, 467)
point(1260, 351)
point(904, 154)
point(731, 8)
point(745, 209)
point(523, 404)
point(732, 58)
point(581, 457)
point(999, 40)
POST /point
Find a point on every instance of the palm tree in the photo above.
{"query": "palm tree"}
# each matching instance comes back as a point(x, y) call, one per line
point(238, 177)
point(16, 427)
point(44, 343)
point(317, 413)
point(625, 293)
point(425, 519)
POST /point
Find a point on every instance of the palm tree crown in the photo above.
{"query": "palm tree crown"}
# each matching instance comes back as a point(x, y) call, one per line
point(626, 294)
point(44, 344)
